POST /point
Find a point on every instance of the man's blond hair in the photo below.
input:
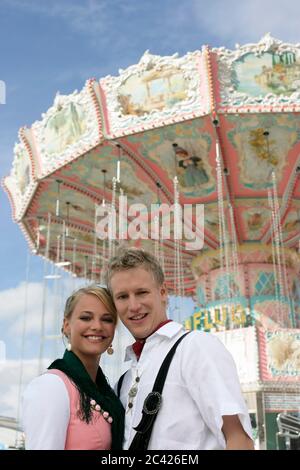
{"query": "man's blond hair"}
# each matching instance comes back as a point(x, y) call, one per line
point(134, 258)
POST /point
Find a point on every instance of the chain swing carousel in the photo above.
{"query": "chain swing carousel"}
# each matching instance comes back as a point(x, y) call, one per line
point(217, 128)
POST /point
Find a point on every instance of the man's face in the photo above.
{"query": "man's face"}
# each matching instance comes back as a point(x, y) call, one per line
point(140, 302)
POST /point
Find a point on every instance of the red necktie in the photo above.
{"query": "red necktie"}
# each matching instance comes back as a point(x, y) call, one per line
point(139, 344)
point(138, 347)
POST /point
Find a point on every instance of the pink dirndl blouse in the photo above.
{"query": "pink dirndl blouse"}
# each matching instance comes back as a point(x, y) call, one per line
point(95, 435)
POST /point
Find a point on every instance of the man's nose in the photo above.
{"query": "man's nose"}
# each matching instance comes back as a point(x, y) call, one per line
point(134, 303)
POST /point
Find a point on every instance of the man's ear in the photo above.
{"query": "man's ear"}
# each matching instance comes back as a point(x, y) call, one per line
point(164, 292)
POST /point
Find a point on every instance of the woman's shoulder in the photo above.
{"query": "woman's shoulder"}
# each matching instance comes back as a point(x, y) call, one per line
point(45, 412)
point(47, 384)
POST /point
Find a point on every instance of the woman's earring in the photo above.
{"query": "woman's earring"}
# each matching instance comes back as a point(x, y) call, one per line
point(110, 350)
point(69, 346)
point(64, 337)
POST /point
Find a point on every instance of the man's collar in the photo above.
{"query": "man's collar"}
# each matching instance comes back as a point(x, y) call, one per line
point(168, 330)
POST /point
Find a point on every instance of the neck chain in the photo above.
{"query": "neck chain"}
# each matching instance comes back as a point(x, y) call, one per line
point(133, 391)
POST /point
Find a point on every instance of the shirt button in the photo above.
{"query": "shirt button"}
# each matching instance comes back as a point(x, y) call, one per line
point(130, 405)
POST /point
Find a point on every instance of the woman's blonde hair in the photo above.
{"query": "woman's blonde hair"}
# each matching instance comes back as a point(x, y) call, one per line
point(100, 292)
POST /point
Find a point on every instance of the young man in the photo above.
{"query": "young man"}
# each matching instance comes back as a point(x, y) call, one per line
point(202, 405)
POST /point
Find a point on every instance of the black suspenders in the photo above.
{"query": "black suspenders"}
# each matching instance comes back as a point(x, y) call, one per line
point(152, 402)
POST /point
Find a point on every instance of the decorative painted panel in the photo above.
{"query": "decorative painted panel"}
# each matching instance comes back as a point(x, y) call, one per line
point(181, 150)
point(156, 91)
point(68, 129)
point(260, 155)
point(258, 76)
point(280, 355)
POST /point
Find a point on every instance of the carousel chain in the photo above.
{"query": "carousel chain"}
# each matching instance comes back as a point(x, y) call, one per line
point(63, 241)
point(86, 267)
point(94, 260)
point(220, 204)
point(118, 179)
point(122, 216)
point(282, 259)
point(74, 257)
point(278, 261)
point(104, 262)
point(112, 221)
point(156, 237)
point(159, 232)
point(38, 234)
point(57, 208)
point(103, 254)
point(58, 248)
point(274, 255)
point(284, 264)
point(179, 287)
point(42, 326)
point(235, 255)
point(223, 234)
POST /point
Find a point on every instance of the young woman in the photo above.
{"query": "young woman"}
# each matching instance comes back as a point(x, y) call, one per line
point(72, 406)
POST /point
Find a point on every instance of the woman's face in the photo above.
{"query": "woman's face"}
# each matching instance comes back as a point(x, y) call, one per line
point(90, 328)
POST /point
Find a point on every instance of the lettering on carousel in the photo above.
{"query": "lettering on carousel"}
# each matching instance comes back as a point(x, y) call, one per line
point(219, 318)
point(2, 92)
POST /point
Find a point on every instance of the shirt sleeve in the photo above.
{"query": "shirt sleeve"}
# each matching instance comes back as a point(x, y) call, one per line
point(210, 371)
point(46, 413)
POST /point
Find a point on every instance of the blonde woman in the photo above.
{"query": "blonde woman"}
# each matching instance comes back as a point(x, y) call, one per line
point(72, 406)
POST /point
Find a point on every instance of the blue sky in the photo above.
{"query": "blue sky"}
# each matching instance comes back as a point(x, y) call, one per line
point(57, 45)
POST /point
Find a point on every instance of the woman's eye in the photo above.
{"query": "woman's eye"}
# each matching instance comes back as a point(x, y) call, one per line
point(85, 318)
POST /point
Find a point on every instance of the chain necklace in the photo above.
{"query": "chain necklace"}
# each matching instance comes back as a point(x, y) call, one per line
point(133, 392)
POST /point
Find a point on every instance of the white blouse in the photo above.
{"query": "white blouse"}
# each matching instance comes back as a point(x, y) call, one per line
point(46, 413)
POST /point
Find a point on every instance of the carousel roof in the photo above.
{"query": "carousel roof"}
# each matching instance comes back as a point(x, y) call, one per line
point(163, 118)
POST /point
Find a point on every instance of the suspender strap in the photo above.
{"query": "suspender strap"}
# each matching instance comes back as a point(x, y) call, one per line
point(153, 403)
point(120, 383)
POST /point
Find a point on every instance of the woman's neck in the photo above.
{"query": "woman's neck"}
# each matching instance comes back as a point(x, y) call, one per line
point(91, 365)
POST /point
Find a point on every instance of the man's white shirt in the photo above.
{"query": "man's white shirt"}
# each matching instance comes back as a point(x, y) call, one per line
point(202, 385)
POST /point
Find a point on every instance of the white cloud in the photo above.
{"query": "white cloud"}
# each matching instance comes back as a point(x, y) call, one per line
point(173, 24)
point(88, 16)
point(9, 383)
point(21, 320)
point(29, 299)
point(246, 21)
